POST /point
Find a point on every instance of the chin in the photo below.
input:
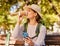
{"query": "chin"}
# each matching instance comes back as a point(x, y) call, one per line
point(29, 17)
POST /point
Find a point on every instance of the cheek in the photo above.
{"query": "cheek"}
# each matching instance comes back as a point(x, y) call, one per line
point(30, 16)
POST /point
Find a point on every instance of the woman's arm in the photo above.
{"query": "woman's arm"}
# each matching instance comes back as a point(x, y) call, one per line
point(41, 36)
point(17, 32)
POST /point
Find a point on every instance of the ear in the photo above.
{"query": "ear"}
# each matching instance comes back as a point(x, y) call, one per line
point(35, 14)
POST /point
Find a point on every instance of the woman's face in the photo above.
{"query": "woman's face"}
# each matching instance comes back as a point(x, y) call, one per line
point(30, 13)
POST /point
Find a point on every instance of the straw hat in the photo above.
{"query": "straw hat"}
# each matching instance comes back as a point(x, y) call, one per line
point(35, 8)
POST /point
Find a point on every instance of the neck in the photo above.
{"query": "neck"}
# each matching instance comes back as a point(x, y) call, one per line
point(33, 21)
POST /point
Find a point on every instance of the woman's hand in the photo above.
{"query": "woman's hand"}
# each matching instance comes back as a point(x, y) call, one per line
point(29, 41)
point(20, 16)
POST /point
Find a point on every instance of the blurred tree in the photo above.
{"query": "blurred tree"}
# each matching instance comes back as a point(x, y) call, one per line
point(49, 11)
point(4, 13)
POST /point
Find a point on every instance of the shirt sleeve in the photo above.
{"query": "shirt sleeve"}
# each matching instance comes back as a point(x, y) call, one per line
point(18, 31)
point(41, 36)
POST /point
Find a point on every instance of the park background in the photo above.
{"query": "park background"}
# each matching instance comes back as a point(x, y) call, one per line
point(50, 12)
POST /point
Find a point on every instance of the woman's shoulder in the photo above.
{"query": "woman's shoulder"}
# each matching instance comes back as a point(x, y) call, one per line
point(42, 27)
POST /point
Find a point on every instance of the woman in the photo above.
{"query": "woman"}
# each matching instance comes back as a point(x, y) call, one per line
point(33, 17)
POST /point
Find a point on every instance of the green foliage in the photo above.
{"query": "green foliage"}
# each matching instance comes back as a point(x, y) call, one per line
point(49, 19)
point(49, 11)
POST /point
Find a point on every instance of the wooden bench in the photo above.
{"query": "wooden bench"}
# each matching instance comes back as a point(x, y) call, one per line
point(50, 40)
point(12, 42)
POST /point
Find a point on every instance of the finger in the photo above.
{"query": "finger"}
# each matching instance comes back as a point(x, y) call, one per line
point(29, 38)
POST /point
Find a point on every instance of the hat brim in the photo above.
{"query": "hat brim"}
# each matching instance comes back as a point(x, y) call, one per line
point(30, 7)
